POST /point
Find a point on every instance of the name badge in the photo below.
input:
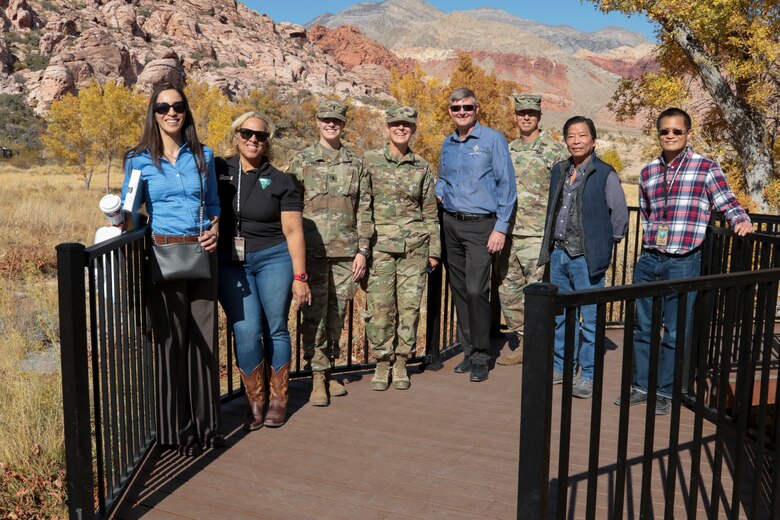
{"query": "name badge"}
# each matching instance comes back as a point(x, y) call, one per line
point(238, 249)
point(662, 236)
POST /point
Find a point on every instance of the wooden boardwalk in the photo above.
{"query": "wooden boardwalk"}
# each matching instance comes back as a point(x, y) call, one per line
point(446, 448)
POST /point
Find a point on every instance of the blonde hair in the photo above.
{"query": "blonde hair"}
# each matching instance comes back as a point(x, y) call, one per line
point(230, 147)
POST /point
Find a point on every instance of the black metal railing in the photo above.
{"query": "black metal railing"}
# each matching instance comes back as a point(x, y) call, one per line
point(728, 376)
point(108, 363)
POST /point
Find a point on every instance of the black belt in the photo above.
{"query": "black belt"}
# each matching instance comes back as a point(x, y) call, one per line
point(559, 244)
point(656, 252)
point(469, 216)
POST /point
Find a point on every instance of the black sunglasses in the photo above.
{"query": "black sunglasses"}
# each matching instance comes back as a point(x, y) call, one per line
point(246, 134)
point(162, 108)
point(675, 131)
point(465, 108)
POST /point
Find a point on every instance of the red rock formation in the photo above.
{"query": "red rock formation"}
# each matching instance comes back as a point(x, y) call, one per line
point(351, 48)
point(623, 67)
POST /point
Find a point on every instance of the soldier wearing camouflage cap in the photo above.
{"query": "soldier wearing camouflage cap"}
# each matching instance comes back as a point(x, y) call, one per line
point(406, 242)
point(533, 155)
point(338, 227)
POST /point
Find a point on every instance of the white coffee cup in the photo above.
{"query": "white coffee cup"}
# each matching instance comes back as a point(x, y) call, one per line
point(111, 206)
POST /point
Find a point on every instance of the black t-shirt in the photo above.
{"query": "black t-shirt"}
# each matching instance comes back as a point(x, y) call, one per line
point(265, 193)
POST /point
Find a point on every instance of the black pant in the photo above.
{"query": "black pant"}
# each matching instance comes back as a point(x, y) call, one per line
point(468, 263)
point(184, 319)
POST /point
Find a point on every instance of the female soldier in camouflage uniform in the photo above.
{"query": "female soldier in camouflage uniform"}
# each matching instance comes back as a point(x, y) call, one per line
point(337, 228)
point(406, 242)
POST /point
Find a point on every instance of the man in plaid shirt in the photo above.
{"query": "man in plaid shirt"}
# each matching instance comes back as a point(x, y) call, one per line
point(677, 191)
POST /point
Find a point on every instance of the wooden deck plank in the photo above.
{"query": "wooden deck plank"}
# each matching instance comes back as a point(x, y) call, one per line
point(446, 448)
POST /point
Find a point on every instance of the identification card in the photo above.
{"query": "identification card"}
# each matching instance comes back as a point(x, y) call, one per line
point(238, 249)
point(662, 236)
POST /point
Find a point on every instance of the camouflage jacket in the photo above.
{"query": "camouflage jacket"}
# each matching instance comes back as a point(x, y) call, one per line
point(405, 212)
point(533, 163)
point(337, 201)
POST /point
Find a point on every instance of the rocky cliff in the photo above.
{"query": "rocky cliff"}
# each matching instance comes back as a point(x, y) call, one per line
point(51, 47)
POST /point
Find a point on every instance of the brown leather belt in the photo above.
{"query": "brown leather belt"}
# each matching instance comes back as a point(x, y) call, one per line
point(162, 240)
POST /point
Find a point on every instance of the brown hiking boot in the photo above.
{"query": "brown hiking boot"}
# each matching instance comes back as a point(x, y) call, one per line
point(277, 404)
point(400, 376)
point(514, 357)
point(254, 384)
point(381, 379)
point(318, 396)
point(335, 387)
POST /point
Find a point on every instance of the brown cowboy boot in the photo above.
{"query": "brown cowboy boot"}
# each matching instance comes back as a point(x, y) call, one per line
point(255, 394)
point(277, 405)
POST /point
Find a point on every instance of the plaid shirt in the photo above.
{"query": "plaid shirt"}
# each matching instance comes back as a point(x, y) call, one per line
point(696, 184)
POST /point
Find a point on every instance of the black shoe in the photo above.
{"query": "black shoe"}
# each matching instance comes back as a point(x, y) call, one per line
point(479, 373)
point(663, 405)
point(634, 398)
point(464, 366)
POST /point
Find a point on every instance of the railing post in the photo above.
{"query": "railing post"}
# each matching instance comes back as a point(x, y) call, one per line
point(75, 380)
point(536, 403)
point(433, 321)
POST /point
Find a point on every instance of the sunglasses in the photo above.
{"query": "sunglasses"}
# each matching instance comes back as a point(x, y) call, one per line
point(465, 108)
point(162, 108)
point(246, 134)
point(675, 131)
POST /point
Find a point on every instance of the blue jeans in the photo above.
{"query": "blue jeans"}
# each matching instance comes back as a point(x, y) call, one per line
point(571, 274)
point(651, 268)
point(256, 297)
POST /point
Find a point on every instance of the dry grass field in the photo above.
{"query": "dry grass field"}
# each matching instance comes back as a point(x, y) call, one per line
point(42, 207)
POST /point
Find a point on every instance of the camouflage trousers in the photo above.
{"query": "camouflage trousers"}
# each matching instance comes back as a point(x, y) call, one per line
point(516, 266)
point(393, 294)
point(330, 281)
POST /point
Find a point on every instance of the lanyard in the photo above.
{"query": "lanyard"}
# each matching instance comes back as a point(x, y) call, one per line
point(668, 188)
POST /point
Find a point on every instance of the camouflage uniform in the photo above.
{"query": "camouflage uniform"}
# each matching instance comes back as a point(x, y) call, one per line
point(407, 233)
point(336, 223)
point(517, 263)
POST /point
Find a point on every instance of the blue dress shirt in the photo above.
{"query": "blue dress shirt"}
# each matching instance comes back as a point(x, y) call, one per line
point(476, 175)
point(172, 193)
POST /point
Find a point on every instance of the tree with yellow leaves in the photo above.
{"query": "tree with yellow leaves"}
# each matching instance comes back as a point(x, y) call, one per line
point(97, 126)
point(431, 98)
point(65, 138)
point(729, 49)
point(213, 113)
point(112, 116)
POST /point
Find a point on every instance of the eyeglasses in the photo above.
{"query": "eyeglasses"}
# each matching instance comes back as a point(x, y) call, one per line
point(466, 108)
point(246, 134)
point(162, 108)
point(675, 131)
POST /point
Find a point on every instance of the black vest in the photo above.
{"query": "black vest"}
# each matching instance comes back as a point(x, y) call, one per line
point(592, 210)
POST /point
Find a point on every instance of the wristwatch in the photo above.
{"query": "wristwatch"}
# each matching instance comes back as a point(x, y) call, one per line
point(302, 277)
point(365, 252)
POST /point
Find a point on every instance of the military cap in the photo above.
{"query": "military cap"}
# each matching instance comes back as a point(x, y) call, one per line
point(527, 102)
point(332, 109)
point(398, 113)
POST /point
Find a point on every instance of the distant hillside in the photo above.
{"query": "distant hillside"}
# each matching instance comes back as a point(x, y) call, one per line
point(577, 71)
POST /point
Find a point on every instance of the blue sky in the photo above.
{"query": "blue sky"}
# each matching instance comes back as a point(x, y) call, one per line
point(579, 14)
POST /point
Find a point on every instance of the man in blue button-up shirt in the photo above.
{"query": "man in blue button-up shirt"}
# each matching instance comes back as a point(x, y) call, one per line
point(476, 188)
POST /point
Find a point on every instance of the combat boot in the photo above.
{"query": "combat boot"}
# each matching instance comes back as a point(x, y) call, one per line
point(335, 387)
point(254, 384)
point(515, 357)
point(400, 376)
point(319, 395)
point(277, 404)
point(381, 379)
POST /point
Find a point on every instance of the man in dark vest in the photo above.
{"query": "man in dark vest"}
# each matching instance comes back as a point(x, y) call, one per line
point(586, 216)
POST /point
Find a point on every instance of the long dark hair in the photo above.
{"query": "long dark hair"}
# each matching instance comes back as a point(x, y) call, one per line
point(151, 140)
